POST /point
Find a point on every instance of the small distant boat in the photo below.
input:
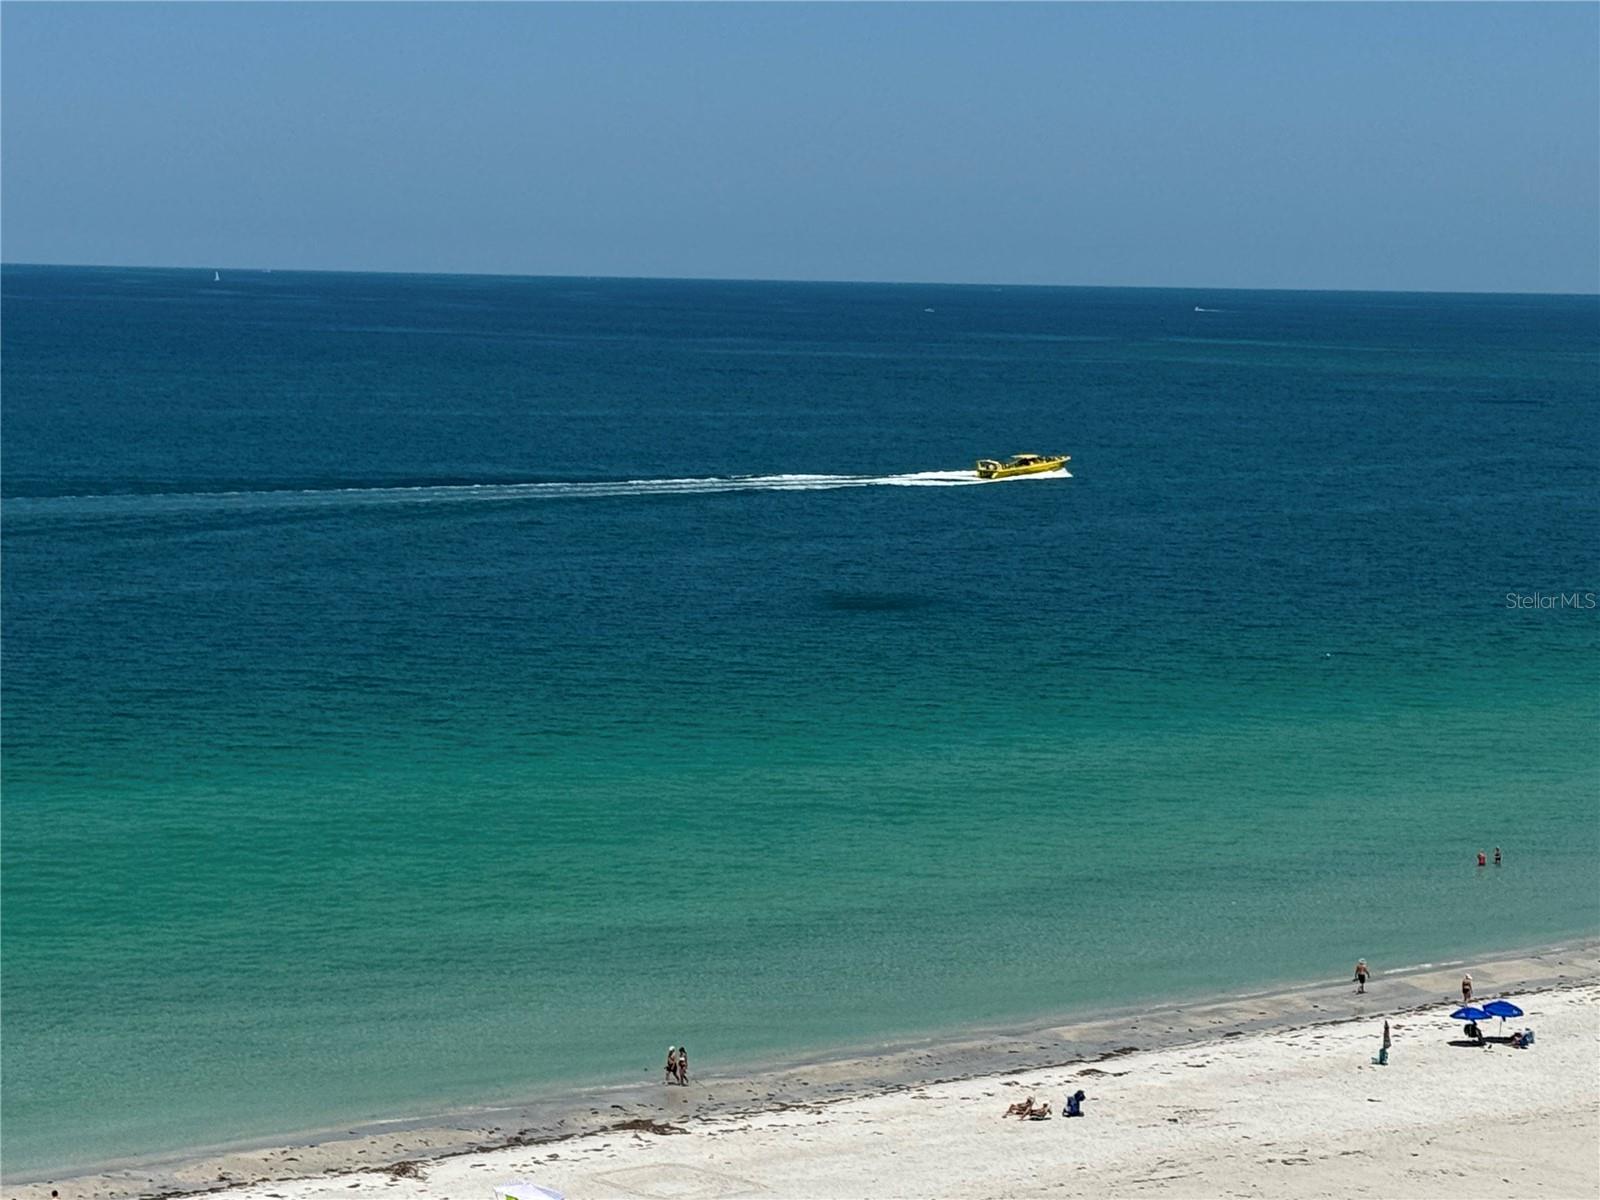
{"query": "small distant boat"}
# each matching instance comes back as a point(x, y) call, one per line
point(1022, 464)
point(216, 277)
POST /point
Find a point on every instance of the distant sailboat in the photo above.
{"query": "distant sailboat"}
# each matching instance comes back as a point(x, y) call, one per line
point(216, 277)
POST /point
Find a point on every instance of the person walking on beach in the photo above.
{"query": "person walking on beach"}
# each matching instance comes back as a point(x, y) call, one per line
point(1466, 988)
point(683, 1066)
point(672, 1064)
point(1383, 1052)
point(1361, 975)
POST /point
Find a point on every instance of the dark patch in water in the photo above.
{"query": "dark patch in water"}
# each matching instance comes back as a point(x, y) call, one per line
point(874, 601)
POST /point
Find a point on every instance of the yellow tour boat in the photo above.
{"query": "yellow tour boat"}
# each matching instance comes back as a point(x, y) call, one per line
point(1021, 464)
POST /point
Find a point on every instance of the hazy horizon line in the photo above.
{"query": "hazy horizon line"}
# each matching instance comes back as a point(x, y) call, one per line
point(947, 283)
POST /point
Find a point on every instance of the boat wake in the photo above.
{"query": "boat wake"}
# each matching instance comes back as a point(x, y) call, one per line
point(159, 503)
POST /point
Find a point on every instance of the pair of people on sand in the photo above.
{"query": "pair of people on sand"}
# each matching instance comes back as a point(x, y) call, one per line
point(678, 1065)
point(1028, 1111)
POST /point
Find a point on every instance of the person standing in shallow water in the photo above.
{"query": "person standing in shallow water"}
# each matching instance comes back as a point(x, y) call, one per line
point(1361, 975)
point(1497, 856)
point(1483, 859)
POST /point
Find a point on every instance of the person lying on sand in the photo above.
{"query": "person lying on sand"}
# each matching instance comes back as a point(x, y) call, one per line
point(1042, 1113)
point(1023, 1108)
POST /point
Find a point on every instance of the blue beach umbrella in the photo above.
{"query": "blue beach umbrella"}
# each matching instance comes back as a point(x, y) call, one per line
point(1502, 1009)
point(1469, 1013)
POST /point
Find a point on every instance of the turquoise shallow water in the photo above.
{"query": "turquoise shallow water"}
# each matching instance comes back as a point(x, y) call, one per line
point(403, 709)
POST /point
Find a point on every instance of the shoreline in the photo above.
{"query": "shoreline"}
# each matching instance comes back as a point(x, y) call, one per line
point(989, 1054)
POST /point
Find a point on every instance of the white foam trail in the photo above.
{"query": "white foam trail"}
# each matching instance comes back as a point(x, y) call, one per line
point(335, 498)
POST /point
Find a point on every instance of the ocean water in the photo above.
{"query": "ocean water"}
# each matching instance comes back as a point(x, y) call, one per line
point(424, 691)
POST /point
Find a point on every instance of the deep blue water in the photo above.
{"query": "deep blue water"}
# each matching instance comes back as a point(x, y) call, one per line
point(404, 705)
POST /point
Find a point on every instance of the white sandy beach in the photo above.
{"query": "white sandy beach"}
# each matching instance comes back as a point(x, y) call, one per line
point(1299, 1111)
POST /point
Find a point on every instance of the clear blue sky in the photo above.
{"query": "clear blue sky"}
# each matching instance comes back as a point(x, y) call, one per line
point(1422, 146)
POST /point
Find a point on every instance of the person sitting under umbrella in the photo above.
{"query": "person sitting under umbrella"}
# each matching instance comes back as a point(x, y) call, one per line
point(1471, 1016)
